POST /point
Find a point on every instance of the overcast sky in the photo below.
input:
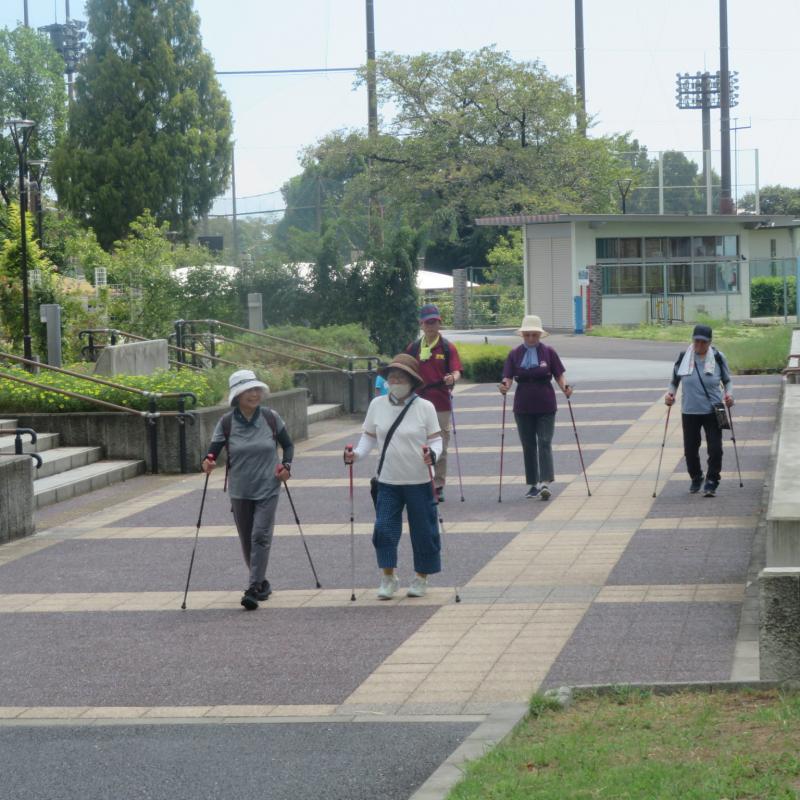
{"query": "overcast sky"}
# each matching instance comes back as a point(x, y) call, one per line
point(633, 50)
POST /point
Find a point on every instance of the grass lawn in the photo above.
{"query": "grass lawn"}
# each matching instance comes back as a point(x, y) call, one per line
point(747, 347)
point(691, 745)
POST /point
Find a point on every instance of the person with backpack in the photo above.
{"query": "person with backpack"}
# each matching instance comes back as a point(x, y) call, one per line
point(252, 433)
point(534, 366)
point(405, 428)
point(440, 368)
point(702, 368)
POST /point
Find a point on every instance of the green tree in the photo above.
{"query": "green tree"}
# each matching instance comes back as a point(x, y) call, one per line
point(775, 199)
point(150, 126)
point(31, 87)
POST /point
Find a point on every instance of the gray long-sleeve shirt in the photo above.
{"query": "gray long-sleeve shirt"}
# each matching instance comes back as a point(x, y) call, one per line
point(694, 400)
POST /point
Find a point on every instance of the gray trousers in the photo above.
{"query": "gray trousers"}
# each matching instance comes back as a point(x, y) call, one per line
point(536, 437)
point(255, 522)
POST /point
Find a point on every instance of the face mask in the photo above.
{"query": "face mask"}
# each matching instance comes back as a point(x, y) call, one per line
point(400, 390)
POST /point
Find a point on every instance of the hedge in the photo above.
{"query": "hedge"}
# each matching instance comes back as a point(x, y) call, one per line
point(766, 296)
point(483, 363)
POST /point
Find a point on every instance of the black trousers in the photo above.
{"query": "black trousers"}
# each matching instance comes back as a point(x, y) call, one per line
point(692, 424)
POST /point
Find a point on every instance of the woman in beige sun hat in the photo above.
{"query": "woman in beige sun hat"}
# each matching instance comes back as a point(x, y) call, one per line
point(534, 365)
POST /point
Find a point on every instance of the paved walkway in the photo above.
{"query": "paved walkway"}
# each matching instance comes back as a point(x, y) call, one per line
point(616, 587)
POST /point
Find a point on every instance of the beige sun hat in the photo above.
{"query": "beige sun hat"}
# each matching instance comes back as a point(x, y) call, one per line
point(532, 324)
point(405, 362)
point(242, 380)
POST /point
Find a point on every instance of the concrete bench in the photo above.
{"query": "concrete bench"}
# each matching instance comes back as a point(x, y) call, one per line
point(779, 581)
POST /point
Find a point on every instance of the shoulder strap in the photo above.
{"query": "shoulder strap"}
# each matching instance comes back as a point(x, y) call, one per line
point(414, 347)
point(389, 435)
point(724, 374)
point(269, 416)
point(227, 422)
point(446, 348)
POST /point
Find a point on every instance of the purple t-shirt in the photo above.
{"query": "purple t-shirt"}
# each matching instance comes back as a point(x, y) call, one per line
point(535, 393)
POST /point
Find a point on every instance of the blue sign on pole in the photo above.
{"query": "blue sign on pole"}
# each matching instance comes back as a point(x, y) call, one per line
point(578, 313)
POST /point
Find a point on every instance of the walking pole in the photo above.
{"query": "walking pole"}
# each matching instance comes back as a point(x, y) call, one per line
point(196, 535)
point(735, 450)
point(349, 448)
point(438, 513)
point(577, 441)
point(658, 471)
point(297, 520)
point(502, 446)
point(455, 441)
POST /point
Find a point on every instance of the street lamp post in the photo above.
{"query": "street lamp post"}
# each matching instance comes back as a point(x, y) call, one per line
point(38, 169)
point(21, 130)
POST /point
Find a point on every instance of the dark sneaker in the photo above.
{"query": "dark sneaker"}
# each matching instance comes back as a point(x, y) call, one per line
point(532, 492)
point(264, 591)
point(697, 484)
point(440, 494)
point(710, 489)
point(250, 598)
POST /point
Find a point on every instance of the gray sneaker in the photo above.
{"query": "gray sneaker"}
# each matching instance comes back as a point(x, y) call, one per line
point(544, 492)
point(418, 587)
point(388, 587)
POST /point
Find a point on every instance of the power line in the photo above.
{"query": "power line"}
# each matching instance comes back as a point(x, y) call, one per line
point(299, 71)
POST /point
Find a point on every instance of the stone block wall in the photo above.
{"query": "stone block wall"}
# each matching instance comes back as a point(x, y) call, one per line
point(16, 497)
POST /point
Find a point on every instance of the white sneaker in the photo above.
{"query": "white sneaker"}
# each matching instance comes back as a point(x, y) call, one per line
point(544, 492)
point(388, 587)
point(418, 587)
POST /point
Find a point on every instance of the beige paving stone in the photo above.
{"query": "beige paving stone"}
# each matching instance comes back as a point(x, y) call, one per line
point(302, 711)
point(115, 712)
point(722, 593)
point(11, 712)
point(365, 695)
point(177, 712)
point(239, 711)
point(403, 668)
point(52, 712)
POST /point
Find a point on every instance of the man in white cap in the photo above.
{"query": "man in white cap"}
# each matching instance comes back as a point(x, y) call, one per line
point(252, 433)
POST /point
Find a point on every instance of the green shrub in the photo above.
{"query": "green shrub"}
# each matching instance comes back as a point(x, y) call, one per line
point(483, 363)
point(766, 296)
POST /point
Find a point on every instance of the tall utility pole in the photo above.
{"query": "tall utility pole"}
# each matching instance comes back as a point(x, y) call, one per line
point(234, 219)
point(372, 93)
point(725, 201)
point(25, 12)
point(580, 74)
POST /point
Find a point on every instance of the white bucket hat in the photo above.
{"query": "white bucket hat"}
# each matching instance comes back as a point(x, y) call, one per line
point(532, 324)
point(242, 380)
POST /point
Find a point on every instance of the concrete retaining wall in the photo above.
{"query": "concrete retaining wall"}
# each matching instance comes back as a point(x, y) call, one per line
point(779, 581)
point(134, 358)
point(331, 386)
point(16, 497)
point(126, 436)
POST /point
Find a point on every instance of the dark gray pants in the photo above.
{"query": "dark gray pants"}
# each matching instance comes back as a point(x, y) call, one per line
point(536, 436)
point(255, 522)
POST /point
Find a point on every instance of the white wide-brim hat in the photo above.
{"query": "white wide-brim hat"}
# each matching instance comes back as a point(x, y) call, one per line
point(242, 380)
point(532, 324)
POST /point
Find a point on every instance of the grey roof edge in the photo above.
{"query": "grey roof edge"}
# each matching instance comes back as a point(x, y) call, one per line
point(751, 220)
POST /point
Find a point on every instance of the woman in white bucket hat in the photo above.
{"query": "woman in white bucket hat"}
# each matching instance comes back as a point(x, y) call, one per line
point(534, 365)
point(252, 433)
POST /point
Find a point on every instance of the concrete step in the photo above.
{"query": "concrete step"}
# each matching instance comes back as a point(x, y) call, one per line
point(55, 488)
point(320, 411)
point(61, 459)
point(44, 441)
point(7, 423)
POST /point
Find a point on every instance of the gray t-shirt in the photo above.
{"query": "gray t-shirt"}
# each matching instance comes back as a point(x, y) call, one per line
point(252, 456)
point(694, 400)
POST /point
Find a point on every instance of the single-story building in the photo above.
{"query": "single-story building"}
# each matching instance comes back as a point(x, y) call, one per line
point(633, 268)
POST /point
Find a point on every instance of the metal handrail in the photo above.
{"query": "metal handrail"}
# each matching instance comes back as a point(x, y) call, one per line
point(101, 381)
point(250, 346)
point(211, 322)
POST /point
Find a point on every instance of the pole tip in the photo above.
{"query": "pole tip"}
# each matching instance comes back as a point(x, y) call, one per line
point(352, 598)
point(183, 606)
point(654, 494)
point(319, 585)
point(458, 598)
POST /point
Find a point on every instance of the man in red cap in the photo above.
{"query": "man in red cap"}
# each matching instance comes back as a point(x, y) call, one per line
point(440, 368)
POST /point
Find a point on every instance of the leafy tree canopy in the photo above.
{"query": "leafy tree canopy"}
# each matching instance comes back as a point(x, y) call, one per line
point(473, 134)
point(31, 87)
point(774, 199)
point(150, 126)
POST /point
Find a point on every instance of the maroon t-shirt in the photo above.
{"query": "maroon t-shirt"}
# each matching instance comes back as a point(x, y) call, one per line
point(433, 371)
point(535, 393)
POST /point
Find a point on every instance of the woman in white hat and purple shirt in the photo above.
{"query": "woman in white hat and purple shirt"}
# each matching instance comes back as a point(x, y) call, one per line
point(534, 366)
point(252, 433)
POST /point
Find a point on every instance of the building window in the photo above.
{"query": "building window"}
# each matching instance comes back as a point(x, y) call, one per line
point(680, 278)
point(716, 277)
point(606, 249)
point(654, 278)
point(622, 279)
point(773, 248)
point(680, 247)
point(630, 248)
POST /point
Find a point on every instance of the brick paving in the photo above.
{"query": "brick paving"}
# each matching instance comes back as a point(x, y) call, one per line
point(616, 587)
